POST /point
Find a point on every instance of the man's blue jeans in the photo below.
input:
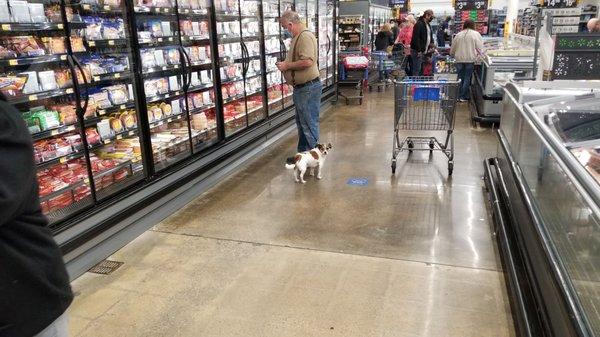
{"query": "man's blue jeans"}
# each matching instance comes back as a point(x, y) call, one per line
point(308, 103)
point(465, 72)
point(417, 63)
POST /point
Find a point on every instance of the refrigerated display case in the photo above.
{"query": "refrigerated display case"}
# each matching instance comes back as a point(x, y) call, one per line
point(543, 186)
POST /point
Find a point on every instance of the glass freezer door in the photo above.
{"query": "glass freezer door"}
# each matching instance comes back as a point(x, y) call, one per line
point(273, 54)
point(164, 81)
point(102, 55)
point(194, 25)
point(286, 41)
point(323, 39)
point(37, 79)
point(252, 60)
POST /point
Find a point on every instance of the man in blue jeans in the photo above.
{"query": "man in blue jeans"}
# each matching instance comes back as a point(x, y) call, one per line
point(300, 70)
point(467, 46)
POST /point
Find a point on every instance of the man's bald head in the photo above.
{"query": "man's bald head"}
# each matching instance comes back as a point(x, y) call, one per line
point(594, 25)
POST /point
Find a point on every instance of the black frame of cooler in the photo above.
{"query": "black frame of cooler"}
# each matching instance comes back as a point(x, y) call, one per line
point(150, 174)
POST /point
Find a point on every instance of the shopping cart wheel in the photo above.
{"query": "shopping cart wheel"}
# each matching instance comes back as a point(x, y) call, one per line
point(431, 146)
point(393, 167)
point(410, 146)
point(450, 168)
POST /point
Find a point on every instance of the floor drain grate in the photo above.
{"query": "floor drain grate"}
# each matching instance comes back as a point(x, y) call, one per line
point(105, 267)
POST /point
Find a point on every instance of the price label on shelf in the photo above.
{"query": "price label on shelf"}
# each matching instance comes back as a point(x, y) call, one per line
point(60, 26)
point(122, 107)
point(119, 136)
point(87, 7)
point(101, 112)
point(32, 97)
point(157, 10)
point(5, 27)
point(111, 42)
point(164, 68)
point(96, 78)
point(69, 91)
point(176, 66)
point(159, 123)
point(169, 120)
point(54, 133)
point(107, 141)
point(160, 39)
point(117, 75)
point(13, 62)
point(63, 160)
point(131, 133)
point(91, 43)
point(86, 180)
point(63, 57)
point(167, 10)
point(107, 8)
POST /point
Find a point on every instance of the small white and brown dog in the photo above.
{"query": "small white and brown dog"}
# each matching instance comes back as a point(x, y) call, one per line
point(312, 160)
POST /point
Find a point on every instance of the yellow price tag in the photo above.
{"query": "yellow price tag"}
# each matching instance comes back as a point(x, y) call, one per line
point(13, 62)
point(101, 112)
point(117, 75)
point(176, 66)
point(60, 26)
point(32, 98)
point(111, 42)
point(107, 141)
point(160, 39)
point(167, 10)
point(122, 107)
point(131, 133)
point(157, 10)
point(169, 120)
point(91, 43)
point(5, 27)
point(119, 136)
point(63, 57)
point(54, 133)
point(86, 180)
point(87, 7)
point(62, 160)
point(96, 78)
point(107, 8)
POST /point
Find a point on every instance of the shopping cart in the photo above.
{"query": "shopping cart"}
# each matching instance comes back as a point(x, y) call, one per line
point(385, 67)
point(423, 104)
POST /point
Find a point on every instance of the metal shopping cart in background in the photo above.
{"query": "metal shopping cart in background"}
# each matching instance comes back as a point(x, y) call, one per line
point(424, 104)
point(354, 73)
point(384, 67)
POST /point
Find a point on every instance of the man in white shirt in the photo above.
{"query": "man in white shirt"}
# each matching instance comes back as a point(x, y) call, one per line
point(466, 48)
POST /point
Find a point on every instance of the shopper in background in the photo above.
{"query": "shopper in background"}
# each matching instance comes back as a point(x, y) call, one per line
point(384, 38)
point(466, 48)
point(34, 285)
point(593, 25)
point(443, 31)
point(421, 41)
point(395, 29)
point(300, 70)
point(404, 38)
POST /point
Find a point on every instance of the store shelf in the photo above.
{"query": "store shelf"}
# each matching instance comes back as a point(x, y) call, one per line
point(235, 118)
point(250, 76)
point(233, 99)
point(53, 132)
point(186, 38)
point(259, 91)
point(157, 41)
point(272, 35)
point(232, 80)
point(163, 97)
point(62, 191)
point(201, 65)
point(202, 108)
point(60, 160)
point(194, 12)
point(33, 60)
point(251, 57)
point(36, 27)
point(153, 10)
point(160, 69)
point(102, 78)
point(123, 134)
point(98, 9)
point(116, 108)
point(250, 37)
point(202, 87)
point(40, 96)
point(229, 39)
point(106, 43)
point(167, 119)
point(227, 17)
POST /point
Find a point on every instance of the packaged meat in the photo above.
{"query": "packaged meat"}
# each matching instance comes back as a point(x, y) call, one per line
point(159, 56)
point(104, 129)
point(204, 28)
point(173, 56)
point(31, 85)
point(47, 80)
point(116, 125)
point(166, 28)
point(195, 79)
point(12, 85)
point(4, 13)
point(205, 76)
point(151, 88)
point(173, 83)
point(63, 78)
point(118, 94)
point(93, 30)
point(62, 201)
point(20, 11)
point(55, 45)
point(155, 28)
point(176, 106)
point(77, 44)
point(186, 27)
point(6, 53)
point(36, 12)
point(92, 136)
point(206, 97)
point(113, 29)
point(128, 119)
point(75, 141)
point(45, 119)
point(162, 85)
point(196, 28)
point(197, 100)
point(100, 98)
point(157, 112)
point(67, 115)
point(166, 109)
point(25, 46)
point(148, 60)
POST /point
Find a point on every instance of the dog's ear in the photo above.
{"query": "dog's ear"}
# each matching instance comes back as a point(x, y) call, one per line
point(321, 147)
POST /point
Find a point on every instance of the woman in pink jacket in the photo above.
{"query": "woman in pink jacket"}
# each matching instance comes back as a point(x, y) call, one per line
point(404, 38)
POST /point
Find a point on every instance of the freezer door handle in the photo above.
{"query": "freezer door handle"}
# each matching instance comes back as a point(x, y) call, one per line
point(187, 65)
point(74, 61)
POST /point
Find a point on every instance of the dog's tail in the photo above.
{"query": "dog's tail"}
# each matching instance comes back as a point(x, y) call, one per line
point(291, 162)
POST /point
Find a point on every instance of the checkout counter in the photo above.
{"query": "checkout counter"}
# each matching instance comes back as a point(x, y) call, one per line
point(544, 189)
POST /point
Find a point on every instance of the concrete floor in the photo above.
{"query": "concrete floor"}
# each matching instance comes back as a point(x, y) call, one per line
point(258, 255)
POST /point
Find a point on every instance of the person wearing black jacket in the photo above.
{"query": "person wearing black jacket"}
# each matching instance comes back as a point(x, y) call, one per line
point(34, 284)
point(421, 42)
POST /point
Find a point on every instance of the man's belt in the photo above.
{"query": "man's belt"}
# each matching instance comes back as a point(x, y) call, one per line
point(314, 80)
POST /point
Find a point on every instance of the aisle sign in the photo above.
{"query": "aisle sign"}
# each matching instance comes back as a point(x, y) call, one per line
point(466, 5)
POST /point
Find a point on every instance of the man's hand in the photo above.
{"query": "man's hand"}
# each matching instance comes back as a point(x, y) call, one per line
point(282, 66)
